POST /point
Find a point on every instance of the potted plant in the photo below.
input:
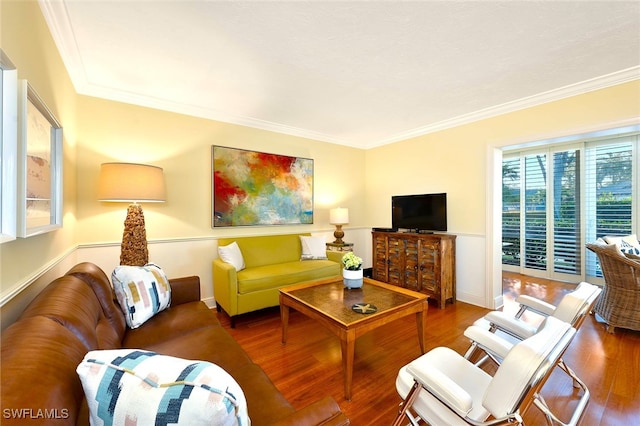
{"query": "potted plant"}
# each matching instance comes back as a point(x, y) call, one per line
point(352, 271)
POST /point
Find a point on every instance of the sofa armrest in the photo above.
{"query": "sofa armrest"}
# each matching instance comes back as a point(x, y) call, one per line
point(336, 256)
point(185, 290)
point(325, 412)
point(225, 286)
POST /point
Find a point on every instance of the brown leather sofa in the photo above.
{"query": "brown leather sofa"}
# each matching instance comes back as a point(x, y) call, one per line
point(78, 312)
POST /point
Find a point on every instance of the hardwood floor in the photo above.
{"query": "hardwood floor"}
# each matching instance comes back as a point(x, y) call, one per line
point(308, 367)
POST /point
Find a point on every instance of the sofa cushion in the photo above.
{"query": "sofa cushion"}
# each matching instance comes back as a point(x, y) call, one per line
point(70, 302)
point(232, 255)
point(142, 387)
point(220, 348)
point(265, 403)
point(142, 292)
point(170, 323)
point(283, 274)
point(313, 247)
point(39, 357)
point(99, 282)
point(267, 250)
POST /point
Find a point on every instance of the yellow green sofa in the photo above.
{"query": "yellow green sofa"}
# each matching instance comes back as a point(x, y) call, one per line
point(271, 262)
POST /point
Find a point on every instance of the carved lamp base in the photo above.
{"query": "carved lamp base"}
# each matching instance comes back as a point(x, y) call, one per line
point(134, 250)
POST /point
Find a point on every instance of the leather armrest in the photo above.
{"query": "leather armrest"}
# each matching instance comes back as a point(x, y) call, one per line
point(325, 412)
point(185, 290)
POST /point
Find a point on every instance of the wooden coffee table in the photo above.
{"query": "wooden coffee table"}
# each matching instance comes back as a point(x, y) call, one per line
point(330, 303)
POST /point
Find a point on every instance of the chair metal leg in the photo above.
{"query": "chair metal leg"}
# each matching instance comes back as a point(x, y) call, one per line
point(472, 349)
point(406, 404)
point(582, 403)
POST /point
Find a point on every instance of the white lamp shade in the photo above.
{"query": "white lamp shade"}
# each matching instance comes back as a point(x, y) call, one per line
point(339, 216)
point(128, 182)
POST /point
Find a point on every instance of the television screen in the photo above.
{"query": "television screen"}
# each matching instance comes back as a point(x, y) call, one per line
point(425, 212)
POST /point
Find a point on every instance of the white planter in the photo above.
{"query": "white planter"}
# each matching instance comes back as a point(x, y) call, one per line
point(352, 279)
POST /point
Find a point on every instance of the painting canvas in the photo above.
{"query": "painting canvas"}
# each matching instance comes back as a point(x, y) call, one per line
point(39, 176)
point(258, 188)
point(40, 165)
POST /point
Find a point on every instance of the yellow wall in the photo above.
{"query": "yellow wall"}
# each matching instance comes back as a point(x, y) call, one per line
point(181, 145)
point(25, 38)
point(97, 131)
point(453, 160)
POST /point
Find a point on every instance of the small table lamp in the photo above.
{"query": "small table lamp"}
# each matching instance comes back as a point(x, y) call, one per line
point(338, 217)
point(132, 183)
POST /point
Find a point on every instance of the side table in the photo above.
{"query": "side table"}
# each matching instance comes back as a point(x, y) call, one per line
point(340, 247)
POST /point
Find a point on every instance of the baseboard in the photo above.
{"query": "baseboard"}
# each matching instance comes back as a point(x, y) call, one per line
point(210, 302)
point(470, 298)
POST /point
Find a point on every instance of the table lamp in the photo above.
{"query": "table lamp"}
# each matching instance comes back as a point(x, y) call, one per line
point(338, 217)
point(132, 183)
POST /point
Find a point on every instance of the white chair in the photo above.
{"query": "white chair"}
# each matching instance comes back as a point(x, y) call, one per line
point(444, 388)
point(497, 331)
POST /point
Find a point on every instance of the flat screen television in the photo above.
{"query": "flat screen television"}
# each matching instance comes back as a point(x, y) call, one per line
point(419, 213)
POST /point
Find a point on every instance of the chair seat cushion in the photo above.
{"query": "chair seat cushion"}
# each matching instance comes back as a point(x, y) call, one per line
point(473, 381)
point(283, 274)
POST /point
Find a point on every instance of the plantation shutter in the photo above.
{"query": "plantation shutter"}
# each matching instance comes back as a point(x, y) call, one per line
point(535, 216)
point(609, 188)
point(557, 197)
point(511, 211)
point(567, 242)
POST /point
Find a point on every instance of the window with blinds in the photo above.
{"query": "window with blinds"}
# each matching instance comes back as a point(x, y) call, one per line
point(610, 191)
point(557, 197)
point(535, 211)
point(511, 211)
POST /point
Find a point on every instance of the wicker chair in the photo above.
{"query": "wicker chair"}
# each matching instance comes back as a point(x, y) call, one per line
point(619, 304)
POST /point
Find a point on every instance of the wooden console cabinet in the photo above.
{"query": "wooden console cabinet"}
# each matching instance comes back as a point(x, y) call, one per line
point(419, 262)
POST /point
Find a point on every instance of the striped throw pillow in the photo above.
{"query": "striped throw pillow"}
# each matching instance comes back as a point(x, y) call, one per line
point(131, 386)
point(142, 292)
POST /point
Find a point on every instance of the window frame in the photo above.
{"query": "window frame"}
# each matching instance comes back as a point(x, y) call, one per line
point(581, 143)
point(8, 148)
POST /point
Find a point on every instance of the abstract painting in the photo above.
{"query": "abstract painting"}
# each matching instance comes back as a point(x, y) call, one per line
point(258, 188)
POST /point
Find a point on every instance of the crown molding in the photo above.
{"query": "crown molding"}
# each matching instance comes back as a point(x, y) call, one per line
point(57, 18)
point(602, 82)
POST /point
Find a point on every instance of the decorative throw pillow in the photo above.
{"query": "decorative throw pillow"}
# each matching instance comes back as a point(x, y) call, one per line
point(627, 244)
point(632, 257)
point(131, 386)
point(231, 254)
point(313, 248)
point(142, 292)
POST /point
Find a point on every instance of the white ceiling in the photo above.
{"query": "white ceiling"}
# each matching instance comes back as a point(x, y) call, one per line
point(358, 73)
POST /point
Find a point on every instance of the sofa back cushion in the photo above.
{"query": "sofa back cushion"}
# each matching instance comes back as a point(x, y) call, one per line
point(39, 386)
point(99, 282)
point(70, 302)
point(268, 249)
